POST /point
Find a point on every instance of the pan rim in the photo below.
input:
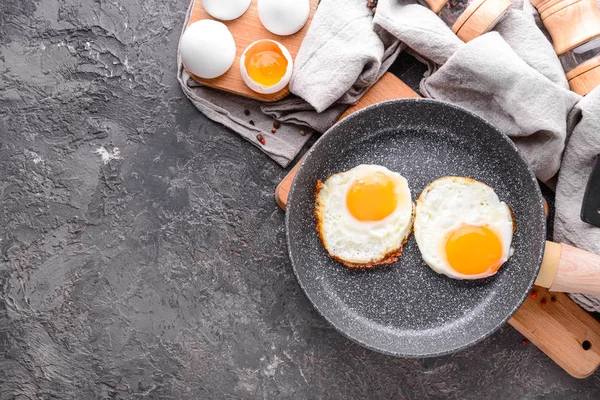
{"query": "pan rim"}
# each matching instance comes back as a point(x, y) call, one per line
point(538, 199)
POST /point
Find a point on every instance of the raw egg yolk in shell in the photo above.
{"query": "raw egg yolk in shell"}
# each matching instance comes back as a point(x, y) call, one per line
point(473, 250)
point(265, 63)
point(371, 198)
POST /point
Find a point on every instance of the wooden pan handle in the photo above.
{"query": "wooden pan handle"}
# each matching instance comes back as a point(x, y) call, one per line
point(571, 270)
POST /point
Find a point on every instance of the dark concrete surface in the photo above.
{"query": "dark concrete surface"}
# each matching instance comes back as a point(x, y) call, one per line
point(163, 272)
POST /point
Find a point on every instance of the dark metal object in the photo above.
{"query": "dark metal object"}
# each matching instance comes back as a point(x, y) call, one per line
point(590, 209)
point(407, 309)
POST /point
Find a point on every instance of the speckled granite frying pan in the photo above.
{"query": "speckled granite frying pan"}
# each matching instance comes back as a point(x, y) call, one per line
point(406, 309)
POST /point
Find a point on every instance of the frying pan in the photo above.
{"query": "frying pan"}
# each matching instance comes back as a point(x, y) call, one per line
point(407, 309)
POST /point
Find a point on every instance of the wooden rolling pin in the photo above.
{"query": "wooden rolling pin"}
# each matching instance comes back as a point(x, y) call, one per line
point(575, 29)
point(552, 321)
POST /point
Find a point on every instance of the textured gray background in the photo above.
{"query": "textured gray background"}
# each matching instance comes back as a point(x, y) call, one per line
point(164, 274)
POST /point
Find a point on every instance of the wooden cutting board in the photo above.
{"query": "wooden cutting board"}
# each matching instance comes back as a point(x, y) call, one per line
point(552, 321)
point(246, 30)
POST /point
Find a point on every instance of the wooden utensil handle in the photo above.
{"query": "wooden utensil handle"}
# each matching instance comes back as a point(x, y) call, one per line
point(571, 270)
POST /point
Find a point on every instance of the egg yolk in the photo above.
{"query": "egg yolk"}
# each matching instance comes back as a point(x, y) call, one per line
point(371, 198)
point(265, 63)
point(472, 250)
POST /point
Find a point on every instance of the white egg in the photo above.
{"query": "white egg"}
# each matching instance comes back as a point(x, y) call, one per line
point(207, 49)
point(272, 57)
point(364, 215)
point(283, 17)
point(226, 10)
point(462, 228)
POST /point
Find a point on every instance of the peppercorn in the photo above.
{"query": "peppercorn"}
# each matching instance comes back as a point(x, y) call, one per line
point(543, 302)
point(247, 112)
point(276, 124)
point(533, 294)
point(273, 130)
point(302, 132)
point(524, 341)
point(251, 122)
point(261, 139)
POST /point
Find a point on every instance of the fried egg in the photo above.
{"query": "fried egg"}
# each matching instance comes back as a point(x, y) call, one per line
point(462, 228)
point(364, 215)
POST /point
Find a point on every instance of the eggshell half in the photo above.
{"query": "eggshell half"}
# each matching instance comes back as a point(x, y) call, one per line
point(207, 49)
point(267, 89)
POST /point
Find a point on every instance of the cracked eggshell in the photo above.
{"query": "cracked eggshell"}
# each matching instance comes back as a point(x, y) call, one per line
point(207, 49)
point(267, 89)
point(283, 17)
point(226, 10)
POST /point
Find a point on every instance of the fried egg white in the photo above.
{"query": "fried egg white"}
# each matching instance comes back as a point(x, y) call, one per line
point(462, 228)
point(364, 215)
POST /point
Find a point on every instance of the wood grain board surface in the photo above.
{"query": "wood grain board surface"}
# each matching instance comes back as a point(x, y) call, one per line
point(246, 30)
point(561, 329)
point(552, 321)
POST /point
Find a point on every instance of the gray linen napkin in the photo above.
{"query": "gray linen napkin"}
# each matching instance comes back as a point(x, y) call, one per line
point(489, 77)
point(342, 56)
